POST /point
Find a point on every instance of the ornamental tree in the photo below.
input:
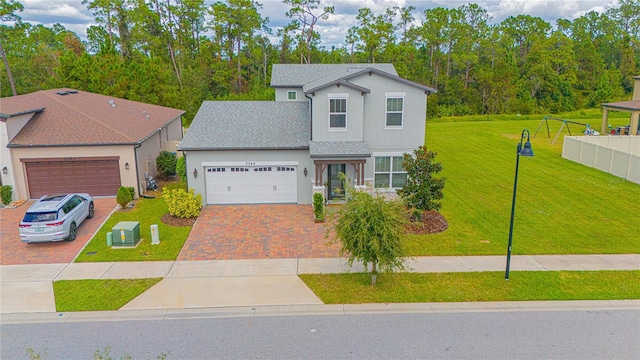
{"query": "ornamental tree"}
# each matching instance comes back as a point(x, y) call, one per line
point(423, 190)
point(370, 230)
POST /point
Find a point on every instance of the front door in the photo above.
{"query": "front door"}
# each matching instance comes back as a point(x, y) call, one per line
point(336, 186)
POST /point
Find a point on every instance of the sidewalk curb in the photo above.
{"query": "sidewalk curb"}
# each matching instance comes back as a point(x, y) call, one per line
point(320, 310)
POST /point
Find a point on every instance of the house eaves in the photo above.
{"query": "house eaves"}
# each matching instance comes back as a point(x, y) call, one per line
point(66, 145)
point(371, 71)
point(6, 116)
point(337, 83)
point(242, 148)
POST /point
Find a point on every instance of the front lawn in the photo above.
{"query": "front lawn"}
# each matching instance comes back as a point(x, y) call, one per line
point(147, 212)
point(98, 295)
point(562, 207)
point(355, 288)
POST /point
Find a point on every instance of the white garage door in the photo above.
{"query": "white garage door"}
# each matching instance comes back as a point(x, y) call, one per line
point(251, 184)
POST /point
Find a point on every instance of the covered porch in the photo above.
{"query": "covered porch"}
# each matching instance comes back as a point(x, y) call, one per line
point(632, 107)
point(330, 158)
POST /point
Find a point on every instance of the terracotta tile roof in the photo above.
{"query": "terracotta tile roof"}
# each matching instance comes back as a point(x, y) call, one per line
point(83, 118)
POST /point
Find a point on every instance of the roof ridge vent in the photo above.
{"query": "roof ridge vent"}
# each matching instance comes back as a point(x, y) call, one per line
point(62, 93)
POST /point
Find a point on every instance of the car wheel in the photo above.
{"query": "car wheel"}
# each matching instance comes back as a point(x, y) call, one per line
point(72, 232)
point(90, 210)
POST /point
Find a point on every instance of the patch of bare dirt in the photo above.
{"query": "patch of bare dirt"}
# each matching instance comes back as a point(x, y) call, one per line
point(432, 222)
point(175, 221)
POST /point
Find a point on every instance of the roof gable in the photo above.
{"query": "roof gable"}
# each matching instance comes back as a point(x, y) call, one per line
point(298, 75)
point(72, 117)
point(317, 85)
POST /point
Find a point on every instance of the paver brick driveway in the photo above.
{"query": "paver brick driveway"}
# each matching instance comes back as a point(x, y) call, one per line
point(15, 252)
point(225, 232)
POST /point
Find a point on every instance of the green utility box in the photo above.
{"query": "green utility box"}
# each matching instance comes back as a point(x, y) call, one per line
point(126, 233)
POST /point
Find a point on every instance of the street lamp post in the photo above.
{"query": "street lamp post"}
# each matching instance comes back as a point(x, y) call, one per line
point(524, 151)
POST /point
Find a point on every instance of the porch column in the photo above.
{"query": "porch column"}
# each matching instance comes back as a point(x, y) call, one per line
point(633, 125)
point(605, 121)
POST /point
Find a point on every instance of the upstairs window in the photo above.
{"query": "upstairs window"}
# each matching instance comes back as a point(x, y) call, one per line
point(337, 113)
point(395, 110)
point(292, 95)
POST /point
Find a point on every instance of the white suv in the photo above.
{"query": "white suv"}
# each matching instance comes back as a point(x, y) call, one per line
point(55, 218)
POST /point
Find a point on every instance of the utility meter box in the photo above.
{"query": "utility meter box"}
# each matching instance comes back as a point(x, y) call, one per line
point(126, 233)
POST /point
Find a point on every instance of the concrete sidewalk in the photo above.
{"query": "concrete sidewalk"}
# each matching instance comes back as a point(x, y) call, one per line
point(269, 282)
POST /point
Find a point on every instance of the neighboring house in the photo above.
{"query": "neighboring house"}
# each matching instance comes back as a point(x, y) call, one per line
point(357, 119)
point(632, 107)
point(64, 140)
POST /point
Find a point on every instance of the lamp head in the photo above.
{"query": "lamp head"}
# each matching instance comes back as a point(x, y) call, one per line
point(526, 150)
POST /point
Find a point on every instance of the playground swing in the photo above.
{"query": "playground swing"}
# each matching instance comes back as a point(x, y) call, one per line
point(565, 123)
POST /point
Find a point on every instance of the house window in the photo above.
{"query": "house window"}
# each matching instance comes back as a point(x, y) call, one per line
point(292, 95)
point(395, 107)
point(337, 113)
point(389, 172)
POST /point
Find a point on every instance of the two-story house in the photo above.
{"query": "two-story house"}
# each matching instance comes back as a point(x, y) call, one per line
point(356, 119)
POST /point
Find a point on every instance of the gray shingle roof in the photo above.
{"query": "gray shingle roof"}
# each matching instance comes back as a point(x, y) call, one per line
point(222, 125)
point(333, 149)
point(297, 75)
point(325, 82)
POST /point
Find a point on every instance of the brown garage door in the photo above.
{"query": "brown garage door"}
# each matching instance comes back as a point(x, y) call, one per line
point(96, 176)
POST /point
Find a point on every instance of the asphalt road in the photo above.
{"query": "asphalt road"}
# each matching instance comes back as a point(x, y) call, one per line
point(611, 334)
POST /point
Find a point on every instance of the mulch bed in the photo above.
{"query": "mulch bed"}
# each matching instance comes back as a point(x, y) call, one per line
point(174, 221)
point(432, 223)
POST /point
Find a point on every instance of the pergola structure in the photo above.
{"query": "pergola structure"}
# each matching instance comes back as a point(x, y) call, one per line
point(632, 107)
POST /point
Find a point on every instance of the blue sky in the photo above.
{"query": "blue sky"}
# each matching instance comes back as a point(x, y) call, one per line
point(75, 16)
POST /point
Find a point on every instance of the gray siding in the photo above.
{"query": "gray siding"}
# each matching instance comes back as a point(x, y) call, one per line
point(414, 119)
point(320, 113)
point(282, 94)
point(195, 160)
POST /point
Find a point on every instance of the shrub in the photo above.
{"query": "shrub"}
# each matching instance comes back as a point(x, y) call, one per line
point(181, 168)
point(132, 191)
point(6, 193)
point(123, 197)
point(166, 164)
point(423, 190)
point(182, 204)
point(318, 206)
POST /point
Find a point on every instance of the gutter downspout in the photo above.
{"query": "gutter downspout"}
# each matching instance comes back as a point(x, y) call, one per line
point(135, 157)
point(310, 116)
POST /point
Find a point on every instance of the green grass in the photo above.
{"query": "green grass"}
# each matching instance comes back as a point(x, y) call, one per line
point(587, 116)
point(355, 288)
point(147, 212)
point(562, 207)
point(98, 295)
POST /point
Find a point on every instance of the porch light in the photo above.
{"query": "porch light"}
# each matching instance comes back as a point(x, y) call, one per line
point(6, 171)
point(195, 173)
point(305, 172)
point(126, 166)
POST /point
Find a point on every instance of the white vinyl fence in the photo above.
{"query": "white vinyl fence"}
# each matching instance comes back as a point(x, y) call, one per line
point(617, 155)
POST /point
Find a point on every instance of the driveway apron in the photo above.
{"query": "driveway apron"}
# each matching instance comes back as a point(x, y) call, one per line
point(225, 232)
point(15, 252)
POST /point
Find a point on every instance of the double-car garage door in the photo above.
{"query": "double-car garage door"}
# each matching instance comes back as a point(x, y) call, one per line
point(256, 184)
point(95, 176)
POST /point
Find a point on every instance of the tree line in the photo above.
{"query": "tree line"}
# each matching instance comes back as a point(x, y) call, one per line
point(178, 53)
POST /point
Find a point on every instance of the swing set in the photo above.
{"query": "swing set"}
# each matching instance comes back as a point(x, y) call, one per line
point(565, 123)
